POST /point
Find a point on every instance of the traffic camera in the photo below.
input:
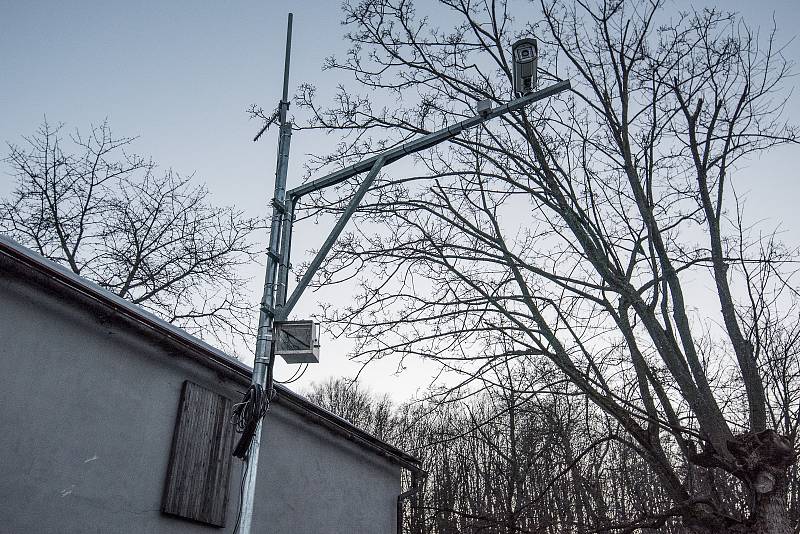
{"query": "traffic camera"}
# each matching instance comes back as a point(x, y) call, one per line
point(525, 54)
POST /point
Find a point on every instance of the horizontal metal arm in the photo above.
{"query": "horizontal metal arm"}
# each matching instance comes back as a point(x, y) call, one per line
point(426, 141)
point(374, 165)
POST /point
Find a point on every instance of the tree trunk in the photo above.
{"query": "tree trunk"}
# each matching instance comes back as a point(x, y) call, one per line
point(765, 458)
point(762, 462)
point(771, 515)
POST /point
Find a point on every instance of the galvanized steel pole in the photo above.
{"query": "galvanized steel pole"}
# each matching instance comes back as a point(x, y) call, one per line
point(263, 356)
point(274, 303)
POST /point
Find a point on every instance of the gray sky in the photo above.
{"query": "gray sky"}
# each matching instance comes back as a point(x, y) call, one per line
point(180, 74)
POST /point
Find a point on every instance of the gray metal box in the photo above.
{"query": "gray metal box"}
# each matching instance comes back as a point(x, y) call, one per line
point(297, 341)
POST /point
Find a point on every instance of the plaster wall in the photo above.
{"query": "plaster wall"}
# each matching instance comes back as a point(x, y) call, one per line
point(87, 412)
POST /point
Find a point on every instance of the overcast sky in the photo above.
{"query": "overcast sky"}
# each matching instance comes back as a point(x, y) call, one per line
point(180, 74)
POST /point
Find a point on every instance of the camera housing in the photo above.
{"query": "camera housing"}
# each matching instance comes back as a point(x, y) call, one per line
point(525, 54)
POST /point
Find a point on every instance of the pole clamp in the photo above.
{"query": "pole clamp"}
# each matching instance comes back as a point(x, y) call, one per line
point(280, 206)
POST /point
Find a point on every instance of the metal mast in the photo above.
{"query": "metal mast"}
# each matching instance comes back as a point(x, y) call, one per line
point(276, 304)
point(262, 365)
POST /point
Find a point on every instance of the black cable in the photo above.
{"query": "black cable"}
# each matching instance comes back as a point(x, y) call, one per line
point(254, 406)
point(247, 414)
point(241, 497)
point(245, 417)
point(298, 374)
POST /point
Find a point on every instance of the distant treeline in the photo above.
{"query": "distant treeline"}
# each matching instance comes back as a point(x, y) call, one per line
point(505, 461)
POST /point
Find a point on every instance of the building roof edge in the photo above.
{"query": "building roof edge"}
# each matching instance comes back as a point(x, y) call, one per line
point(204, 353)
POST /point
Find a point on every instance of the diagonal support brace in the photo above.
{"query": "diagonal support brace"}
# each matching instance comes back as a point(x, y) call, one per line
point(282, 312)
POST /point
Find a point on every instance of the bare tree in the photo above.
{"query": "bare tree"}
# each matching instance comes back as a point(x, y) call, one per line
point(350, 401)
point(515, 462)
point(580, 230)
point(149, 236)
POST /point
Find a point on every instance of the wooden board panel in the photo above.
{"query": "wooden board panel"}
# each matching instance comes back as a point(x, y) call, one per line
point(200, 460)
